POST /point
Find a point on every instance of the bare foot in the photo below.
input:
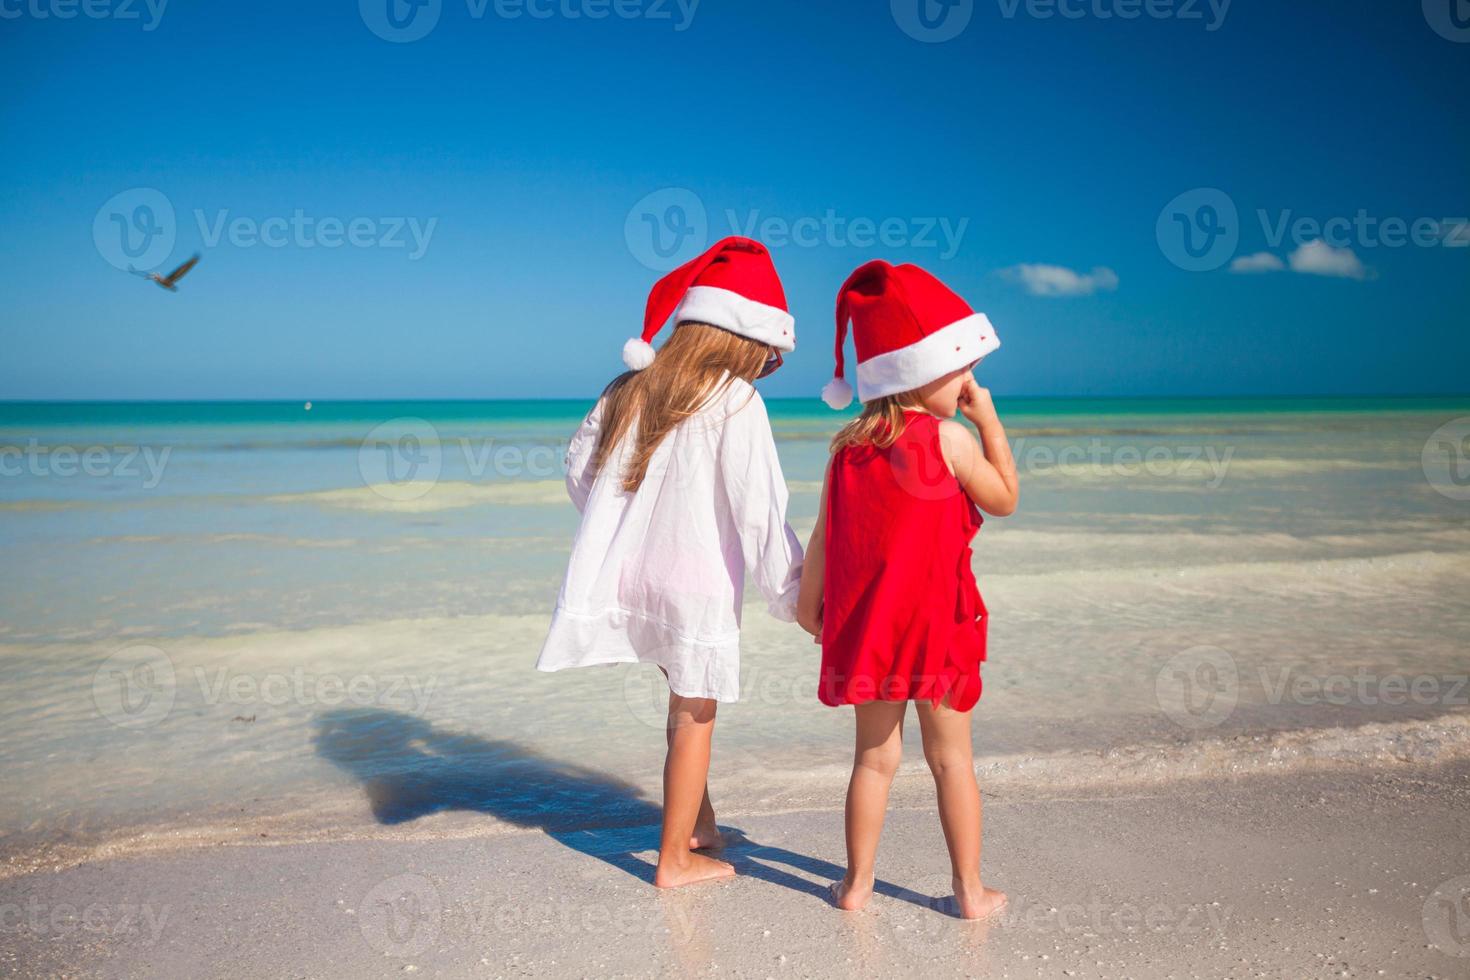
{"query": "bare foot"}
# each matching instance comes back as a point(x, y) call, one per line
point(849, 895)
point(974, 901)
point(691, 869)
point(706, 838)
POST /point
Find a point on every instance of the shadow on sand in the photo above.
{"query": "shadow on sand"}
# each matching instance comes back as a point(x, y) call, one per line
point(408, 768)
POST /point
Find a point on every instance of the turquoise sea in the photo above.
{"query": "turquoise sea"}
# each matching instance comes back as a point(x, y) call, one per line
point(233, 618)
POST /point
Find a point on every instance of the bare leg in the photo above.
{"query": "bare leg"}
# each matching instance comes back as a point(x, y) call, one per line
point(691, 725)
point(876, 756)
point(947, 749)
point(706, 834)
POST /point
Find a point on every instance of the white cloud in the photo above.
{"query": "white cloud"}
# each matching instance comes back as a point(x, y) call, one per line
point(1260, 262)
point(1056, 280)
point(1317, 258)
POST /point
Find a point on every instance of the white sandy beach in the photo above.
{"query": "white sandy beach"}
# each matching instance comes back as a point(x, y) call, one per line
point(268, 718)
point(1333, 874)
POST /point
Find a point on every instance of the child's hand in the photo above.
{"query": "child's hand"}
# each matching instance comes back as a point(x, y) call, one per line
point(812, 624)
point(975, 402)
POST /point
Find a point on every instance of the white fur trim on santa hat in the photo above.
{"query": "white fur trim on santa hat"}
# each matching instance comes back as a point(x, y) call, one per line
point(637, 354)
point(914, 366)
point(837, 393)
point(738, 314)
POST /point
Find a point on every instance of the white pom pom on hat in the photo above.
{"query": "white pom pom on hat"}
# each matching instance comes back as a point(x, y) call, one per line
point(837, 393)
point(733, 286)
point(637, 353)
point(908, 328)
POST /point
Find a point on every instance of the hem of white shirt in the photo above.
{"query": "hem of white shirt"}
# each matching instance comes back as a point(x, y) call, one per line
point(677, 668)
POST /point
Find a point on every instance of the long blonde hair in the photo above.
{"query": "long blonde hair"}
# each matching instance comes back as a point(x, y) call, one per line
point(880, 424)
point(695, 364)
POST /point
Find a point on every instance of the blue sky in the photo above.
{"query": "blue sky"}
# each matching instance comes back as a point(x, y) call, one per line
point(500, 176)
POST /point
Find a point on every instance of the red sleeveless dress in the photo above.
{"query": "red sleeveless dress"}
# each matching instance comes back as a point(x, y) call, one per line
point(903, 618)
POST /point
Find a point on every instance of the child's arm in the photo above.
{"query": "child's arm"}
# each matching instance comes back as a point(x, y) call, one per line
point(988, 474)
point(756, 490)
point(579, 458)
point(814, 569)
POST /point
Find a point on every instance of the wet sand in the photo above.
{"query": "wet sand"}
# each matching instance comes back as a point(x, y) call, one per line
point(1350, 873)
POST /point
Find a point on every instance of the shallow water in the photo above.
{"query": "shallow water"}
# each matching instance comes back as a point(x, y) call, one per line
point(243, 613)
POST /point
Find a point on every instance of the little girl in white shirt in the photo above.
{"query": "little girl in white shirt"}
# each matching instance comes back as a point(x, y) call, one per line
point(681, 493)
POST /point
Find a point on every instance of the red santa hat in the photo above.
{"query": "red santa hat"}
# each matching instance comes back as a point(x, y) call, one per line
point(908, 328)
point(733, 286)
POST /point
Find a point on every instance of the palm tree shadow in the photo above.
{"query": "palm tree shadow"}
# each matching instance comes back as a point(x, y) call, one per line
point(409, 768)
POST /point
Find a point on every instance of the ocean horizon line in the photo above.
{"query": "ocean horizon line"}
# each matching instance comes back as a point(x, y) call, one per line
point(18, 416)
point(409, 399)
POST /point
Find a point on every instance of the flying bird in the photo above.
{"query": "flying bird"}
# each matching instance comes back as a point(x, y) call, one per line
point(170, 281)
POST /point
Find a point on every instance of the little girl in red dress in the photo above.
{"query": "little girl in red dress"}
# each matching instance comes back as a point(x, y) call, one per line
point(887, 586)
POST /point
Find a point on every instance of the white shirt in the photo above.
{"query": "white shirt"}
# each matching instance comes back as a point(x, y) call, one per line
point(658, 575)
